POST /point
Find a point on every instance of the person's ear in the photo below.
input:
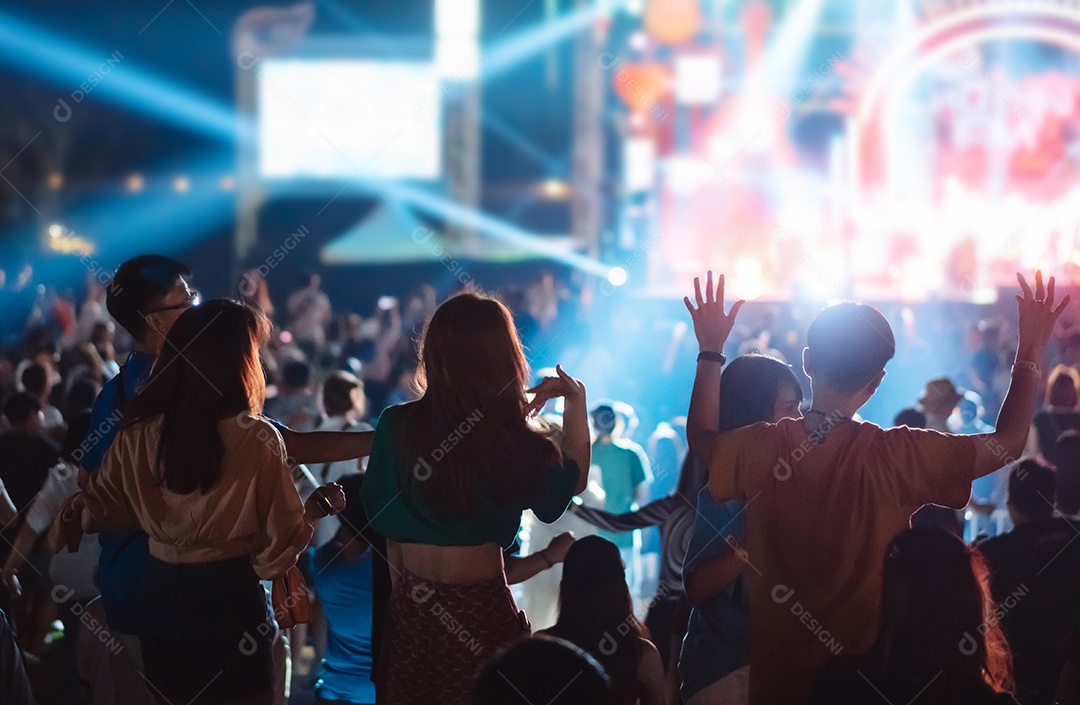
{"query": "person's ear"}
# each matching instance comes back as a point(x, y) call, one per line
point(153, 323)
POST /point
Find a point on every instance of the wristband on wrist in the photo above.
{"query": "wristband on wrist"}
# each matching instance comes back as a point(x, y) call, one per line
point(710, 356)
point(1027, 365)
point(329, 506)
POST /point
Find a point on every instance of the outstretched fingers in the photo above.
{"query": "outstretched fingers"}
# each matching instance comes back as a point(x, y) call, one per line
point(1050, 293)
point(1062, 305)
point(697, 292)
point(1039, 292)
point(1023, 286)
point(709, 287)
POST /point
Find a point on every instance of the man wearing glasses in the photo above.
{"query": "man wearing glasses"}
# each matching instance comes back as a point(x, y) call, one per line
point(146, 296)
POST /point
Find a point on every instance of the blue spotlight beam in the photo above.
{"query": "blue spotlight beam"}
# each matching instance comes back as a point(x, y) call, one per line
point(28, 48)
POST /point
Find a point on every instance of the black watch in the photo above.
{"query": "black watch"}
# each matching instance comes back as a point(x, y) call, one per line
point(711, 356)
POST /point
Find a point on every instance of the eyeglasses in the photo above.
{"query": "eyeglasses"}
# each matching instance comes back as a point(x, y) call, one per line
point(193, 299)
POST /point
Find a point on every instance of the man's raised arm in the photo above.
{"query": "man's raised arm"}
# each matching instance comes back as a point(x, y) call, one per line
point(1037, 317)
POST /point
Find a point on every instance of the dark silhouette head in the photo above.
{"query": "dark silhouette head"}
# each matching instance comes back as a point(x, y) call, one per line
point(596, 611)
point(910, 417)
point(937, 617)
point(1067, 462)
point(1031, 491)
point(543, 669)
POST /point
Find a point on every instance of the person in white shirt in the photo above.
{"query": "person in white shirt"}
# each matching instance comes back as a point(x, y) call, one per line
point(309, 312)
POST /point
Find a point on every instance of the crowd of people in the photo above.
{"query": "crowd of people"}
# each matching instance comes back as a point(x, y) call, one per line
point(216, 501)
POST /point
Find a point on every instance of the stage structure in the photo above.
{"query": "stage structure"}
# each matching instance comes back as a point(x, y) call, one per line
point(926, 151)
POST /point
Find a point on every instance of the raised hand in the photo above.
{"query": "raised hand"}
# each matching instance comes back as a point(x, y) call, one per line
point(711, 325)
point(1037, 316)
point(553, 387)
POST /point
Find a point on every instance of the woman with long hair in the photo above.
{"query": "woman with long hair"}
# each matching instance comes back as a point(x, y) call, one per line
point(448, 478)
point(940, 640)
point(199, 470)
point(715, 655)
point(596, 612)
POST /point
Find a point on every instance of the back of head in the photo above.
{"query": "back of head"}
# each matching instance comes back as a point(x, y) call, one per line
point(338, 393)
point(910, 417)
point(216, 376)
point(604, 419)
point(138, 286)
point(849, 345)
point(542, 669)
point(935, 604)
point(1067, 462)
point(473, 374)
point(1063, 388)
point(749, 386)
point(1031, 490)
point(596, 610)
point(296, 374)
point(35, 379)
point(20, 408)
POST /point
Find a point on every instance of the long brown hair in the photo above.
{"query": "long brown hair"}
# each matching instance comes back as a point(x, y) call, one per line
point(207, 371)
point(596, 611)
point(470, 426)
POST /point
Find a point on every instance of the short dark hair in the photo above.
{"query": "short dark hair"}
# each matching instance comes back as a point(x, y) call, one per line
point(1067, 462)
point(139, 285)
point(849, 345)
point(1031, 488)
point(337, 392)
point(20, 407)
point(35, 378)
point(540, 669)
point(910, 417)
point(749, 387)
point(603, 416)
point(296, 374)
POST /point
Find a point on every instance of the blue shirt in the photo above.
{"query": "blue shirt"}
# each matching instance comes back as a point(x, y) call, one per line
point(345, 588)
point(123, 554)
point(717, 638)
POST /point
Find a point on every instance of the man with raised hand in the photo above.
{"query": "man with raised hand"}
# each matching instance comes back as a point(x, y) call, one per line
point(825, 494)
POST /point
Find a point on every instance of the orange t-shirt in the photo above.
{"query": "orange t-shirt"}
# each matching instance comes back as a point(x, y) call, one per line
point(820, 513)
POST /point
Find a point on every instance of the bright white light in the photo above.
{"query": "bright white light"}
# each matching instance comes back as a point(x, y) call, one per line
point(457, 59)
point(698, 79)
point(56, 230)
point(685, 174)
point(748, 268)
point(386, 125)
point(639, 164)
point(748, 283)
point(617, 276)
point(457, 18)
point(638, 41)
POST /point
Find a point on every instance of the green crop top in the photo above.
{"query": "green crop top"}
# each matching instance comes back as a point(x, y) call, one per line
point(392, 498)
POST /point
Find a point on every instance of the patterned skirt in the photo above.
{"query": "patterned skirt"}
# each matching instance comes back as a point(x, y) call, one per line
point(438, 636)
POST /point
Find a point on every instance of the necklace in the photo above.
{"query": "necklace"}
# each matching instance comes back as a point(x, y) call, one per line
point(828, 421)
